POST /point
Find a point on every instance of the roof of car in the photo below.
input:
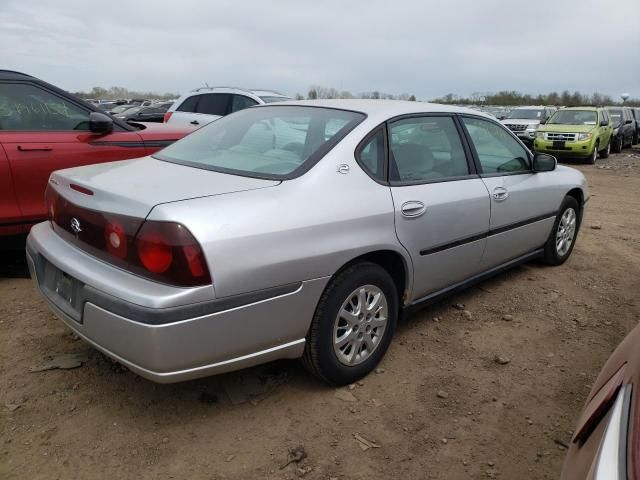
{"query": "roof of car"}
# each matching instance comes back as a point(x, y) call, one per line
point(13, 75)
point(586, 107)
point(388, 108)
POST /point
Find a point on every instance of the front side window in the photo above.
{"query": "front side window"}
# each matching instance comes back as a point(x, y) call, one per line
point(496, 149)
point(27, 107)
point(616, 116)
point(424, 149)
point(265, 142)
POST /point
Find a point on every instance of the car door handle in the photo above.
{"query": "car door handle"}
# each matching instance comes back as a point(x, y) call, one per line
point(500, 194)
point(39, 148)
point(412, 209)
point(195, 122)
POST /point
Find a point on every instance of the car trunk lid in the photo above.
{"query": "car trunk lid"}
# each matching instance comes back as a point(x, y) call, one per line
point(134, 187)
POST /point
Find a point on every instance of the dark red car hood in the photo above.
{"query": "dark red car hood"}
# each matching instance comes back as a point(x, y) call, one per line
point(581, 455)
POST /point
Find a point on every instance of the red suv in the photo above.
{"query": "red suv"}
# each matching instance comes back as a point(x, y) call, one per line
point(44, 128)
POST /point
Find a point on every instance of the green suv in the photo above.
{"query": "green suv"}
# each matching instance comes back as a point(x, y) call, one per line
point(576, 132)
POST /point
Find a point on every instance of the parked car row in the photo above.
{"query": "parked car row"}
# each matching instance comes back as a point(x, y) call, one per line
point(583, 133)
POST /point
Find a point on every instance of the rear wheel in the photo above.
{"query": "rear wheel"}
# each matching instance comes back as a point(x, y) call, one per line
point(563, 235)
point(605, 153)
point(353, 324)
point(636, 138)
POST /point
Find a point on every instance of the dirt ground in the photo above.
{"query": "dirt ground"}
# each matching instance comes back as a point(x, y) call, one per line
point(440, 406)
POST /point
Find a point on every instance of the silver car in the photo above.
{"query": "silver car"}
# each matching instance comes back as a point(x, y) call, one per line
point(302, 229)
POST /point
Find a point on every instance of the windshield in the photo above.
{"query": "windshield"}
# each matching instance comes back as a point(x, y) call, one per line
point(264, 142)
point(274, 99)
point(526, 114)
point(120, 109)
point(574, 117)
point(616, 115)
point(131, 111)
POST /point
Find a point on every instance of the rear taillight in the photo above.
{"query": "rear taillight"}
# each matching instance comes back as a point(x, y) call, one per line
point(167, 116)
point(163, 251)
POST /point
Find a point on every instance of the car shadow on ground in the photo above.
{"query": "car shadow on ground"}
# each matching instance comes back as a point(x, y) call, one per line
point(13, 260)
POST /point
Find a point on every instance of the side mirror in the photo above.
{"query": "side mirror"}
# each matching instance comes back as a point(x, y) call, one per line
point(604, 123)
point(628, 121)
point(544, 163)
point(100, 123)
point(543, 121)
point(502, 117)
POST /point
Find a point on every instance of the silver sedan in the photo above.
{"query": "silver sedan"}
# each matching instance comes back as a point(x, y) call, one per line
point(302, 229)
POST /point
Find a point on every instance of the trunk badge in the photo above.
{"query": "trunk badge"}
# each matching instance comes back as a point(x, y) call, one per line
point(75, 226)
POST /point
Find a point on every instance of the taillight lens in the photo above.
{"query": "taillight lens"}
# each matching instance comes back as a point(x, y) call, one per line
point(167, 116)
point(163, 251)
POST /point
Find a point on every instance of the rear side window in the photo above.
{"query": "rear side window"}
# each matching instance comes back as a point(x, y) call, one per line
point(190, 104)
point(425, 149)
point(240, 102)
point(370, 155)
point(27, 107)
point(214, 104)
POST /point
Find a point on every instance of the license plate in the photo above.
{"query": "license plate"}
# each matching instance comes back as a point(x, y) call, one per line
point(558, 144)
point(65, 287)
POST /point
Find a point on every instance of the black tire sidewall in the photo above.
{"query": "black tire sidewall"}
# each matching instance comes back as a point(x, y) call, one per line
point(594, 156)
point(550, 252)
point(342, 286)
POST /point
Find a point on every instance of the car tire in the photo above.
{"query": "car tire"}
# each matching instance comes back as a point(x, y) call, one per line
point(636, 139)
point(617, 145)
point(337, 350)
point(564, 233)
point(605, 153)
point(594, 156)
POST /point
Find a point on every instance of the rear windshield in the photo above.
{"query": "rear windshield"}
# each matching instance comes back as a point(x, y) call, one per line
point(264, 142)
point(526, 114)
point(574, 117)
point(267, 99)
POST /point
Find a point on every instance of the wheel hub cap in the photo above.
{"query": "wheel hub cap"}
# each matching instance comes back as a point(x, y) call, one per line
point(360, 325)
point(566, 231)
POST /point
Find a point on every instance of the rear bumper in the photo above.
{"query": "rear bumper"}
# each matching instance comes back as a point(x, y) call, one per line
point(180, 342)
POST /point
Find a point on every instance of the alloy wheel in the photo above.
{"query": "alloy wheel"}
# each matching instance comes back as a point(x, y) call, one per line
point(566, 231)
point(360, 325)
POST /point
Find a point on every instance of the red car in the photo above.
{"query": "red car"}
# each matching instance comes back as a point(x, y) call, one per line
point(43, 128)
point(606, 443)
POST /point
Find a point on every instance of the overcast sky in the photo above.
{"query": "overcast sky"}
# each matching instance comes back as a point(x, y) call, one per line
point(422, 47)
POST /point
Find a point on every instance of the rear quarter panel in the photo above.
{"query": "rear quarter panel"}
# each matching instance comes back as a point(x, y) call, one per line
point(302, 229)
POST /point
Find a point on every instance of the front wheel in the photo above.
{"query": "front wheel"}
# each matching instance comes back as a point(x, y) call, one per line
point(353, 324)
point(563, 235)
point(592, 158)
point(617, 144)
point(605, 153)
